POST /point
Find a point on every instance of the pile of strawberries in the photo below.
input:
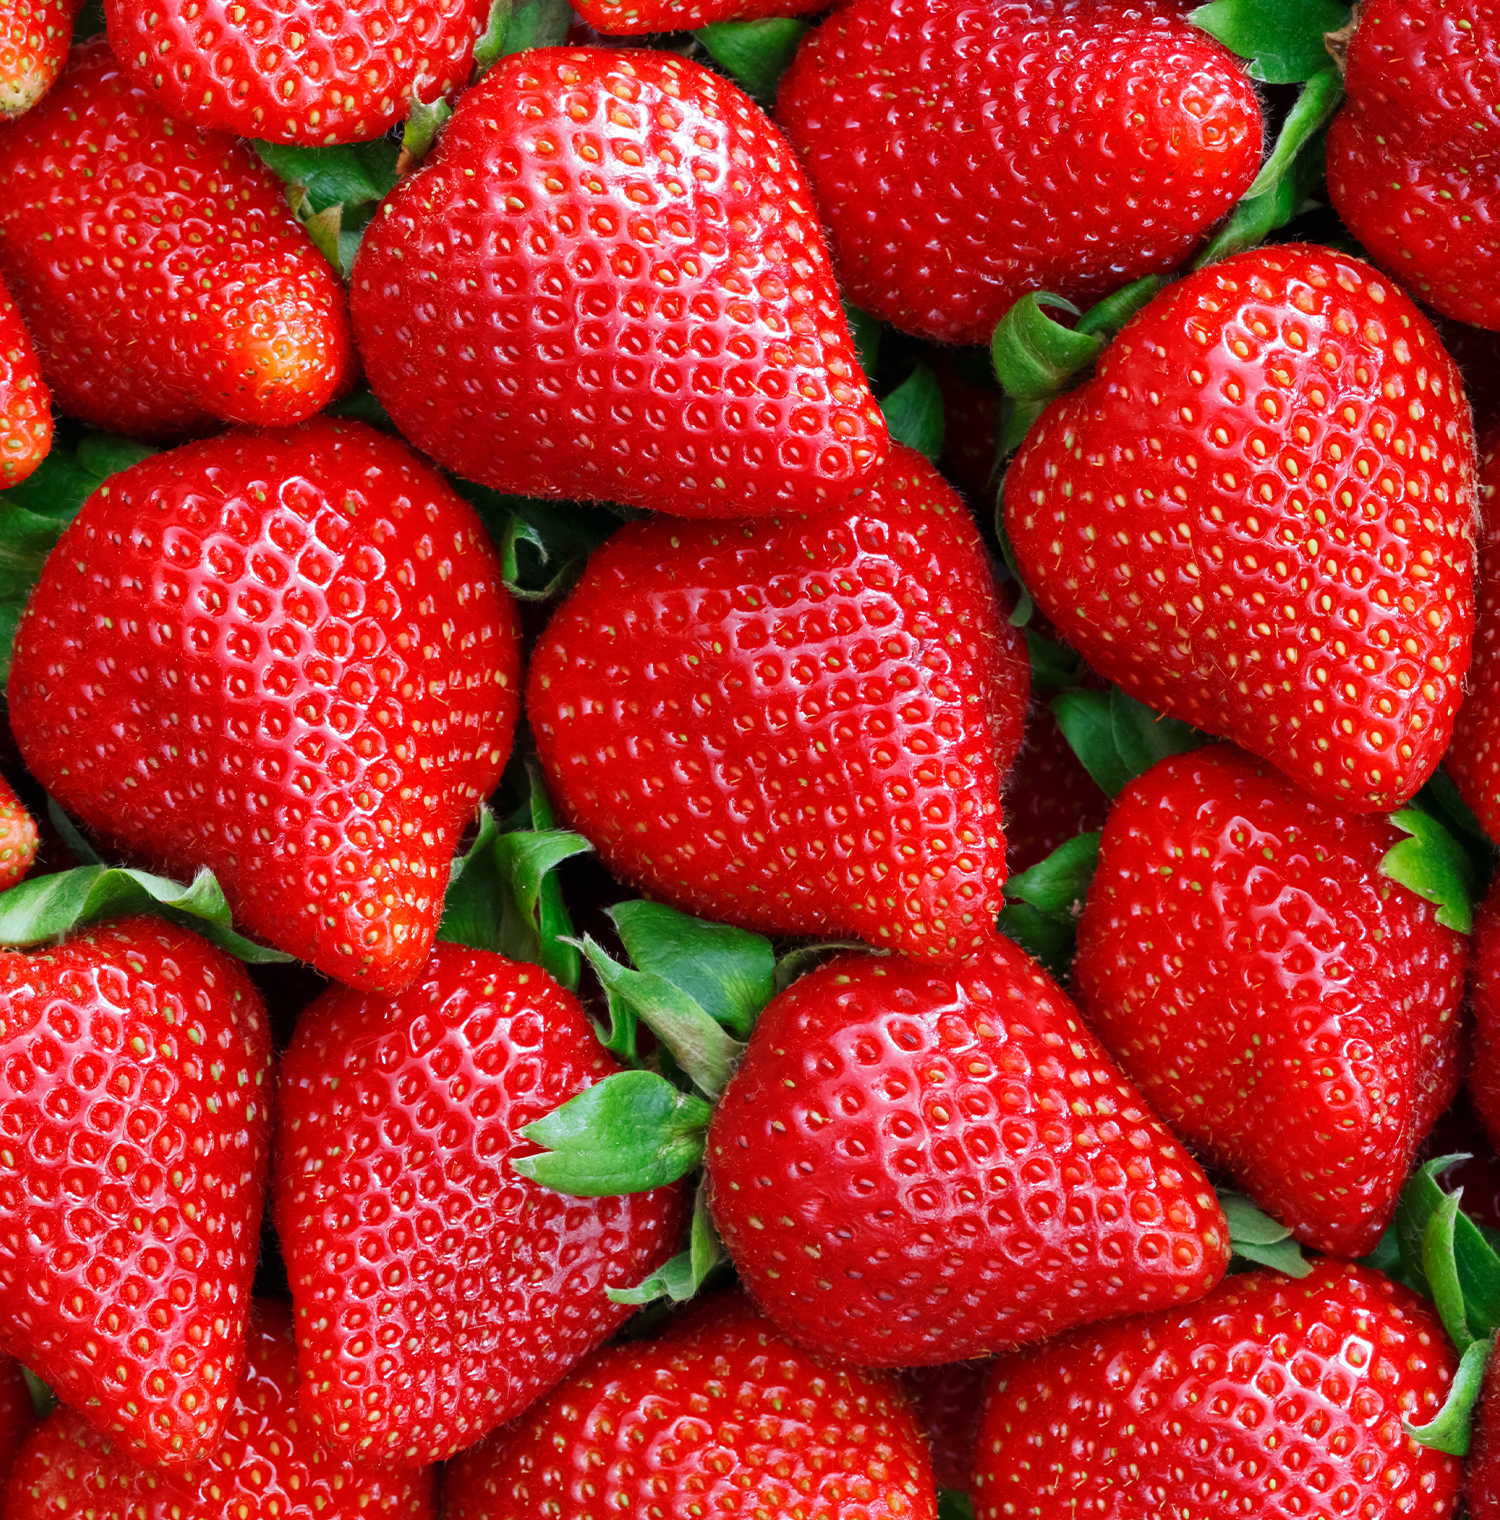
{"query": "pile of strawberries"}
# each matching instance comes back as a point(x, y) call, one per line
point(755, 759)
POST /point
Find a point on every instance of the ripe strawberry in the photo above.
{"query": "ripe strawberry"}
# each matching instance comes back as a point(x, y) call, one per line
point(165, 282)
point(1482, 1472)
point(134, 1138)
point(18, 837)
point(948, 1401)
point(34, 37)
point(1256, 517)
point(1269, 1397)
point(1484, 1000)
point(796, 726)
point(1291, 1011)
point(287, 657)
point(16, 1417)
point(295, 73)
point(438, 1292)
point(914, 1165)
point(721, 1417)
point(1412, 164)
point(630, 18)
point(955, 148)
point(267, 1466)
point(1049, 797)
point(608, 282)
point(25, 404)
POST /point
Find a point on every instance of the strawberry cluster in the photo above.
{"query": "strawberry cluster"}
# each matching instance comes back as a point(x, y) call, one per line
point(751, 760)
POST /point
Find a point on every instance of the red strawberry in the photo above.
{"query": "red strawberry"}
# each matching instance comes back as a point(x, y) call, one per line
point(1269, 1397)
point(723, 1417)
point(971, 417)
point(796, 726)
point(629, 18)
point(267, 1466)
point(287, 657)
point(1049, 796)
point(34, 37)
point(224, 311)
point(1256, 517)
point(1412, 158)
point(965, 152)
point(16, 1417)
point(18, 837)
point(917, 1166)
point(1484, 998)
point(25, 403)
point(1482, 1472)
point(948, 1401)
point(295, 73)
point(608, 282)
point(1291, 1011)
point(134, 1135)
point(438, 1292)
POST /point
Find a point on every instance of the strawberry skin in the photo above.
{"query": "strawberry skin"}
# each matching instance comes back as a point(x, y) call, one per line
point(25, 402)
point(1271, 1396)
point(948, 1401)
point(1256, 517)
point(134, 1138)
point(16, 1417)
point(913, 1165)
point(798, 726)
point(1291, 1012)
point(217, 315)
point(956, 149)
point(34, 37)
point(1484, 1000)
point(438, 1292)
point(1049, 796)
point(631, 18)
point(288, 657)
point(18, 837)
point(608, 283)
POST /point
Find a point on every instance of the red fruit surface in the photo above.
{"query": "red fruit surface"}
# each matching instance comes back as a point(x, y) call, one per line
point(134, 1141)
point(1460, 1132)
point(796, 726)
point(25, 403)
point(608, 282)
point(1271, 1396)
point(1256, 517)
point(16, 1417)
point(630, 18)
point(965, 152)
point(1291, 1012)
point(1484, 1002)
point(225, 312)
point(971, 417)
point(296, 73)
point(1049, 797)
point(949, 1399)
point(34, 37)
point(288, 657)
point(1482, 1471)
point(914, 1166)
point(268, 1466)
point(726, 1418)
point(18, 837)
point(438, 1292)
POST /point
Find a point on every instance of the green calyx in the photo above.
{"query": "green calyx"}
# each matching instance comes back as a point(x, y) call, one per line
point(681, 1277)
point(755, 54)
point(1434, 864)
point(334, 191)
point(1042, 904)
point(1255, 1237)
point(1117, 738)
point(914, 413)
point(1284, 40)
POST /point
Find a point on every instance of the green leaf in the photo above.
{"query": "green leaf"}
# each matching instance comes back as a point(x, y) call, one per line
point(865, 330)
point(1053, 666)
point(1435, 866)
point(1476, 1260)
point(72, 835)
point(1058, 884)
point(627, 1134)
point(1282, 38)
point(1440, 1268)
point(1314, 109)
point(1143, 736)
point(1039, 935)
point(1255, 1236)
point(473, 904)
point(1035, 356)
point(797, 962)
point(537, 24)
point(43, 1400)
point(491, 44)
point(1450, 1429)
point(1117, 738)
point(1285, 1257)
point(755, 54)
point(424, 121)
point(914, 413)
point(953, 1505)
point(680, 1278)
point(543, 545)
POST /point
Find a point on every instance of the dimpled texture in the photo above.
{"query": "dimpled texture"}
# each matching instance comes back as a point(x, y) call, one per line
point(135, 1065)
point(165, 283)
point(608, 283)
point(913, 1166)
point(438, 1292)
point(630, 18)
point(309, 72)
point(34, 37)
point(1484, 1001)
point(18, 837)
point(25, 403)
point(288, 657)
point(1482, 1471)
point(268, 1466)
point(1292, 1012)
point(965, 153)
point(1270, 1397)
point(1049, 797)
point(1257, 517)
point(795, 726)
point(720, 1417)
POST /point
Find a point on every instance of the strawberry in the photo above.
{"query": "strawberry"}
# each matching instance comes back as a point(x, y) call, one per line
point(1256, 517)
point(1484, 999)
point(287, 657)
point(721, 1417)
point(16, 1417)
point(224, 312)
point(608, 283)
point(18, 837)
point(948, 1401)
point(1412, 166)
point(34, 36)
point(268, 1465)
point(1269, 1397)
point(796, 726)
point(25, 410)
point(955, 149)
point(1288, 1007)
point(134, 1138)
point(1482, 1473)
point(1049, 797)
point(630, 18)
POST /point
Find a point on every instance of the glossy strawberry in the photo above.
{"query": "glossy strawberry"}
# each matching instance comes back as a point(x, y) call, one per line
point(165, 283)
point(288, 657)
point(1049, 796)
point(724, 1417)
point(438, 1292)
point(134, 1139)
point(1484, 999)
point(608, 283)
point(1256, 517)
point(1482, 1472)
point(16, 1417)
point(630, 18)
point(34, 37)
point(914, 1165)
point(965, 152)
point(18, 837)
point(269, 1464)
point(1270, 1397)
point(796, 726)
point(25, 410)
